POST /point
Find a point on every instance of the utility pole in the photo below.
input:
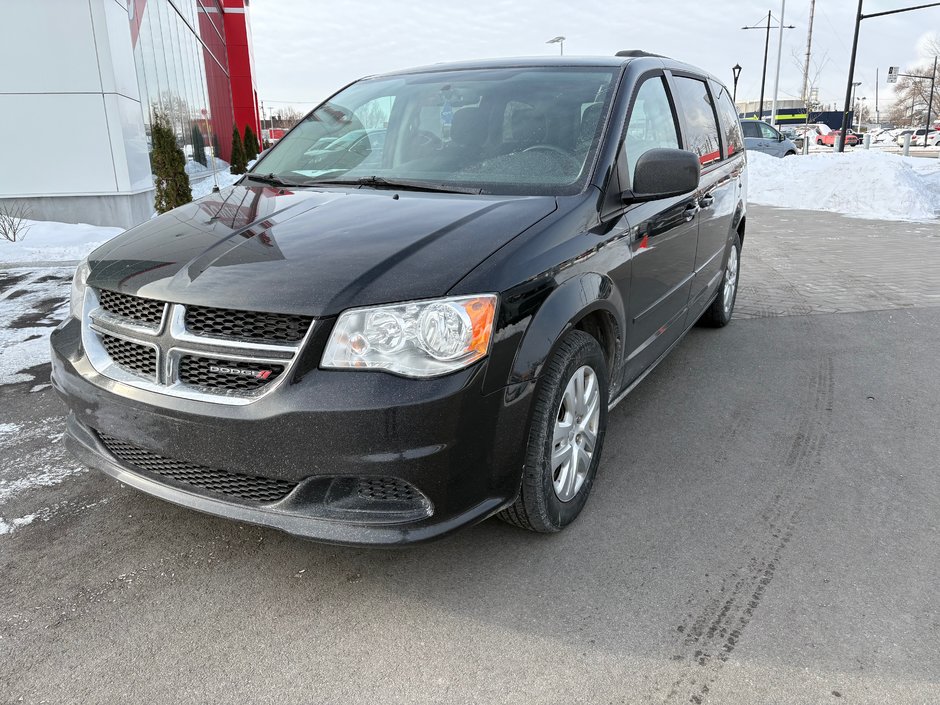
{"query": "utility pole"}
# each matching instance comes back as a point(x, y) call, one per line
point(809, 49)
point(763, 75)
point(773, 108)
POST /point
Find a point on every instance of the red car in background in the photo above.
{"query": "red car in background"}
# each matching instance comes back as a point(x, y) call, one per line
point(829, 139)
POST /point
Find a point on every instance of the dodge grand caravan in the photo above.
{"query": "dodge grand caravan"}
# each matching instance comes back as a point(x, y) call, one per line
point(430, 330)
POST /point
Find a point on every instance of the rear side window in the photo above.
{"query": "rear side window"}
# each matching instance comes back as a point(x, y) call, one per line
point(701, 126)
point(652, 123)
point(731, 125)
point(751, 129)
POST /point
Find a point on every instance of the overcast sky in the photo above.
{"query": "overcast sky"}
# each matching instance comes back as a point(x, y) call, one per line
point(305, 49)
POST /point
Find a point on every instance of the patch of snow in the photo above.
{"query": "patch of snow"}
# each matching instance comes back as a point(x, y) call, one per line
point(8, 430)
point(48, 240)
point(15, 524)
point(861, 183)
point(46, 476)
point(39, 388)
point(42, 297)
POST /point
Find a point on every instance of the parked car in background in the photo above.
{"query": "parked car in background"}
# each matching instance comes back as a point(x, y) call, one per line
point(917, 140)
point(902, 134)
point(761, 137)
point(829, 139)
point(389, 350)
point(794, 135)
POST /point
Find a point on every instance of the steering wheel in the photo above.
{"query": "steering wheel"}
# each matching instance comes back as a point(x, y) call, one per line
point(548, 148)
point(426, 140)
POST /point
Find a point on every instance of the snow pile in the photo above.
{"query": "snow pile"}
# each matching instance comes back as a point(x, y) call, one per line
point(51, 241)
point(861, 183)
point(203, 187)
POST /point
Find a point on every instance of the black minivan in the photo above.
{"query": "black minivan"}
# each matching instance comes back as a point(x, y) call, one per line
point(430, 330)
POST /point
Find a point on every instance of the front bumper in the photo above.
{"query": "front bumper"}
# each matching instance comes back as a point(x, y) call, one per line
point(460, 448)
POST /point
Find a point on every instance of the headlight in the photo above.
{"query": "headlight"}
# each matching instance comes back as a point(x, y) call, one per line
point(79, 281)
point(415, 339)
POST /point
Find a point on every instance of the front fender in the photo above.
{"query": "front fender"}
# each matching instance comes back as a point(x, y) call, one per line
point(561, 311)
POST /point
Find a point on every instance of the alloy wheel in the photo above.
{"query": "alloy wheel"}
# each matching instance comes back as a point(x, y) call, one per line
point(575, 434)
point(731, 280)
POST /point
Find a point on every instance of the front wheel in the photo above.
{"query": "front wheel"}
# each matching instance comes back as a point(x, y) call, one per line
point(718, 314)
point(566, 435)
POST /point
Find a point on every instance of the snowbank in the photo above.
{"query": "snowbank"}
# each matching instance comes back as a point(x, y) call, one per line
point(861, 183)
point(200, 187)
point(51, 241)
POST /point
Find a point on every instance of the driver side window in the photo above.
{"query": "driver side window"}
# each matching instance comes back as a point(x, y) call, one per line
point(652, 122)
point(769, 133)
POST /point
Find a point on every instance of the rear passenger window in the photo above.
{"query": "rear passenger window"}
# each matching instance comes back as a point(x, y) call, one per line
point(652, 123)
point(701, 126)
point(751, 129)
point(731, 125)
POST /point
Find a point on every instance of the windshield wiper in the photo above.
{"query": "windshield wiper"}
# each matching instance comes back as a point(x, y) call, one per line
point(273, 179)
point(404, 184)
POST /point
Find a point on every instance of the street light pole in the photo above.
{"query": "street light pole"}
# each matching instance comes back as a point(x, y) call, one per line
point(933, 77)
point(855, 85)
point(560, 41)
point(848, 89)
point(736, 72)
point(763, 77)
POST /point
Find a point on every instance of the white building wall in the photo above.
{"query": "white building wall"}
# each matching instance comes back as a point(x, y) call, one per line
point(70, 111)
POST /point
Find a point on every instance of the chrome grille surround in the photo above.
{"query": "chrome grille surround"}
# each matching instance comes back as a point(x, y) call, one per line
point(171, 341)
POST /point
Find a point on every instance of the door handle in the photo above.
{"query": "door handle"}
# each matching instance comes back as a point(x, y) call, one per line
point(706, 201)
point(690, 212)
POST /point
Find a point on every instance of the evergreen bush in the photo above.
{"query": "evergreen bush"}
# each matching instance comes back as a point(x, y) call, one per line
point(199, 146)
point(251, 144)
point(169, 166)
point(238, 160)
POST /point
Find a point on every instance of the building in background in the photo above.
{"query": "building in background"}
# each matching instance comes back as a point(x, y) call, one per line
point(793, 112)
point(81, 80)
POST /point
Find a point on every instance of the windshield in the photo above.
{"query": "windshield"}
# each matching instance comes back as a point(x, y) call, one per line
point(501, 131)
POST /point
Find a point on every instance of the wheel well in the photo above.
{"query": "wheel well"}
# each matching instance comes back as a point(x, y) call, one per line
point(601, 326)
point(741, 230)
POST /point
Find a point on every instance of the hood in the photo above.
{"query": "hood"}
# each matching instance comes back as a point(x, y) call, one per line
point(311, 251)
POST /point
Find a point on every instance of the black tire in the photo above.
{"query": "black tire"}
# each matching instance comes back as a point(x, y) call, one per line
point(791, 153)
point(538, 507)
point(718, 314)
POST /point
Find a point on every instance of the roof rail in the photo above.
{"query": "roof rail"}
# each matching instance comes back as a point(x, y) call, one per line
point(634, 53)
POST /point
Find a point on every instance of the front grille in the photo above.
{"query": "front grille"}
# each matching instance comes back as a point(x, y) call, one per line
point(246, 325)
point(247, 487)
point(216, 374)
point(142, 311)
point(385, 489)
point(133, 357)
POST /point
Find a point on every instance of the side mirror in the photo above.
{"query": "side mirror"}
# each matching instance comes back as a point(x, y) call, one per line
point(662, 173)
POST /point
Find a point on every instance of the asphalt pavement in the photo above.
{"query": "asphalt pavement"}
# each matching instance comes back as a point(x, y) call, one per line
point(765, 528)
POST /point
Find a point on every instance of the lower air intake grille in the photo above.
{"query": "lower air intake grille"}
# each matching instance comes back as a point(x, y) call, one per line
point(228, 375)
point(386, 489)
point(246, 487)
point(133, 357)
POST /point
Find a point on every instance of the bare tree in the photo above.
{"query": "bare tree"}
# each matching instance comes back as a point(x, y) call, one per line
point(14, 217)
point(287, 117)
